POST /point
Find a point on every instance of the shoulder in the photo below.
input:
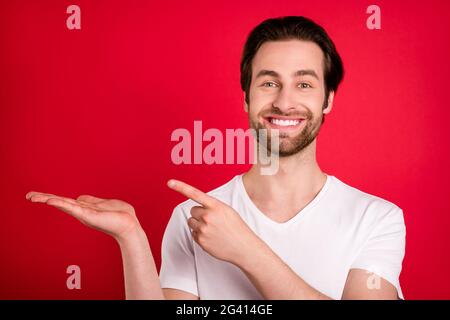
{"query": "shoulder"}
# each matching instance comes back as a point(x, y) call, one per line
point(364, 206)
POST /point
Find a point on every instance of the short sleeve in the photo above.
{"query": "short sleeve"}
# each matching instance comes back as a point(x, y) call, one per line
point(384, 250)
point(178, 269)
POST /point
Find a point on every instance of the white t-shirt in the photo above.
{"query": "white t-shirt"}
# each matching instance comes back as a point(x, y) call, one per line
point(340, 229)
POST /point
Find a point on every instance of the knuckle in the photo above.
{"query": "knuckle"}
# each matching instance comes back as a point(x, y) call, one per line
point(195, 210)
point(202, 229)
point(206, 218)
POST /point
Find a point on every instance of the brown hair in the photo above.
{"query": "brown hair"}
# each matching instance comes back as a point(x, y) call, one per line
point(287, 28)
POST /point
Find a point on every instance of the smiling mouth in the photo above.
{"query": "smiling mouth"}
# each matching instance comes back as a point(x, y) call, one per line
point(278, 122)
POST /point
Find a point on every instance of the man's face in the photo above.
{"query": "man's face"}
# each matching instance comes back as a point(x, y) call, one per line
point(287, 93)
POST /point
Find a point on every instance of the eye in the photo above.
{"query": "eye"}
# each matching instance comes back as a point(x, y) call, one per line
point(270, 84)
point(305, 85)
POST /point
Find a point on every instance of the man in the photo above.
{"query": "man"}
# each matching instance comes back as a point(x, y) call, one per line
point(297, 234)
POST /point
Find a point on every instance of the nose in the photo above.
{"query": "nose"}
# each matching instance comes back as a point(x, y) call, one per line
point(284, 100)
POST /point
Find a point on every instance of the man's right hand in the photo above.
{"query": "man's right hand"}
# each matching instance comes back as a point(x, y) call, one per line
point(114, 217)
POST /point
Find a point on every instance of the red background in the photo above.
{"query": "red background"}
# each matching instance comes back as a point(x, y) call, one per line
point(92, 110)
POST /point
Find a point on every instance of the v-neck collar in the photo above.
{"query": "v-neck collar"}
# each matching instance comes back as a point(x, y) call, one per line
point(299, 214)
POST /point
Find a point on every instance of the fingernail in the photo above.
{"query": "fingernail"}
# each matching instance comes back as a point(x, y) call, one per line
point(170, 183)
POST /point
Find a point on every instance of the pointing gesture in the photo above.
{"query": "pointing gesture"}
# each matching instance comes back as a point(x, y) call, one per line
point(217, 227)
point(192, 193)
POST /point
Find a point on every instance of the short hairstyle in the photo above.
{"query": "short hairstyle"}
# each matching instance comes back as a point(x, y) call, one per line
point(291, 28)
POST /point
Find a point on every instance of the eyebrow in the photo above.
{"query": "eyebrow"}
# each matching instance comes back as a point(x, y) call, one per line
point(304, 72)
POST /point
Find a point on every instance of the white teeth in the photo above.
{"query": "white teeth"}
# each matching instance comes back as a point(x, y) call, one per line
point(285, 123)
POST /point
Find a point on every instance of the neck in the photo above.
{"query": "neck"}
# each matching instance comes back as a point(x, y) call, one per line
point(298, 178)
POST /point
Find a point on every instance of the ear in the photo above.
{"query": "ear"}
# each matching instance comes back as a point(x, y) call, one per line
point(329, 104)
point(245, 104)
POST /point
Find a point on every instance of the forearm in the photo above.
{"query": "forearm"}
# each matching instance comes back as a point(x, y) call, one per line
point(273, 278)
point(140, 273)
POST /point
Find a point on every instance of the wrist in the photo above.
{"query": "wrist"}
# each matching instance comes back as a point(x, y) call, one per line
point(131, 237)
point(252, 255)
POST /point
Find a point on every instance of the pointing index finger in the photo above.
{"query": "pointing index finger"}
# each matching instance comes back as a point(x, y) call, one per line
point(191, 192)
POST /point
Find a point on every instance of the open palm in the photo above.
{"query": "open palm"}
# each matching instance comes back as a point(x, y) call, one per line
point(112, 216)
